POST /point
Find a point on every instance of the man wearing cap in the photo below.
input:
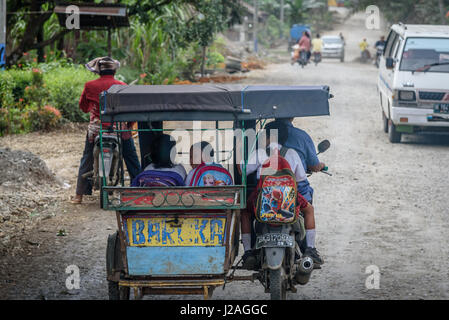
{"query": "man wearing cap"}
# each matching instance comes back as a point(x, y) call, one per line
point(90, 102)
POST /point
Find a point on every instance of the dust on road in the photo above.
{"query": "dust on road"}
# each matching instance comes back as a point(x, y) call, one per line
point(384, 206)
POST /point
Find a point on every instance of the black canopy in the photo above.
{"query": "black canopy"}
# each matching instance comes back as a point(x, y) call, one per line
point(212, 102)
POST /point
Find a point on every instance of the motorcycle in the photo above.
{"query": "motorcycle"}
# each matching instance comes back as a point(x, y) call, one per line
point(299, 56)
point(303, 58)
point(282, 265)
point(365, 55)
point(316, 58)
point(379, 51)
point(112, 163)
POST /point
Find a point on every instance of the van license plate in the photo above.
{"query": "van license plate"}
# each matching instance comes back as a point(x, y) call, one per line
point(441, 108)
point(274, 240)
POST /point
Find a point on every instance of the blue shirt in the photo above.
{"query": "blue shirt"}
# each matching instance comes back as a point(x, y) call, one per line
point(301, 142)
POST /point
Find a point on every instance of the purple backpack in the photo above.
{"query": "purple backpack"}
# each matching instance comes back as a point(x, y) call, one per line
point(157, 178)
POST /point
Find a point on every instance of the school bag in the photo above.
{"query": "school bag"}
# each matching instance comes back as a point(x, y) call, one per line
point(276, 201)
point(211, 175)
point(157, 178)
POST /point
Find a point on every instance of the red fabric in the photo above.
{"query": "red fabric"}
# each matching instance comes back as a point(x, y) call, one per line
point(305, 43)
point(251, 205)
point(90, 98)
point(281, 164)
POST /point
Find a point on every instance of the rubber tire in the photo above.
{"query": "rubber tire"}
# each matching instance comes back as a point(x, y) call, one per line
point(393, 135)
point(101, 197)
point(342, 58)
point(116, 292)
point(384, 122)
point(278, 291)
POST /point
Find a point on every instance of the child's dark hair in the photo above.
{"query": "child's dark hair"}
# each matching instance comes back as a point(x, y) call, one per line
point(161, 151)
point(204, 145)
point(280, 127)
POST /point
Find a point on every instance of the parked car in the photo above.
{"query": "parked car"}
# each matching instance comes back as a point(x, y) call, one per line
point(413, 84)
point(333, 47)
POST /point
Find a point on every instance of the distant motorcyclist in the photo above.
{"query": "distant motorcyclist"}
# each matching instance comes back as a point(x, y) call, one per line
point(379, 45)
point(364, 50)
point(317, 45)
point(380, 42)
point(305, 44)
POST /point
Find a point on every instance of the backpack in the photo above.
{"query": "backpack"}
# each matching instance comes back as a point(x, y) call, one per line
point(276, 201)
point(211, 175)
point(157, 178)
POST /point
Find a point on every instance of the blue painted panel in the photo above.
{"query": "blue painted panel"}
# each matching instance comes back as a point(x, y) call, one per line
point(175, 260)
point(2, 55)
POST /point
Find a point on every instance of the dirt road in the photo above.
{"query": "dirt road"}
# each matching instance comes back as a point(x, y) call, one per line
point(384, 206)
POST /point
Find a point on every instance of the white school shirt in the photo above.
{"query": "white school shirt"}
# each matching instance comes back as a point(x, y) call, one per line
point(179, 169)
point(257, 158)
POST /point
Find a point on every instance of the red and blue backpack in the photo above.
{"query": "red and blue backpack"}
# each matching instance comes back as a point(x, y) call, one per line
point(276, 201)
point(211, 175)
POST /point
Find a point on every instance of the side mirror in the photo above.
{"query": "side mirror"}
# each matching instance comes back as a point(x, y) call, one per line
point(389, 63)
point(323, 146)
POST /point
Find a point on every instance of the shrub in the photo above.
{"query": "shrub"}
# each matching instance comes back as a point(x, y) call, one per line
point(20, 80)
point(65, 86)
point(37, 94)
point(12, 120)
point(6, 87)
point(214, 58)
point(44, 119)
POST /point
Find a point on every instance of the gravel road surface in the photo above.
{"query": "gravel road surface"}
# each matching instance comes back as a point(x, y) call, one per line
point(385, 207)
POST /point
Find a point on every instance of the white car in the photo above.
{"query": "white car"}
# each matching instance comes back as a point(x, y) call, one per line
point(333, 47)
point(413, 82)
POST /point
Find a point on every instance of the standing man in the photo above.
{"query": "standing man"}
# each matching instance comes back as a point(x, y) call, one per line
point(90, 102)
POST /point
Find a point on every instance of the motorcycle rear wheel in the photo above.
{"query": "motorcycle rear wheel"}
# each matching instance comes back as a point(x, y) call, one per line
point(278, 288)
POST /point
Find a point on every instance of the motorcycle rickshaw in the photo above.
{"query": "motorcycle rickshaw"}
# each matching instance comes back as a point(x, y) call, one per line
point(185, 240)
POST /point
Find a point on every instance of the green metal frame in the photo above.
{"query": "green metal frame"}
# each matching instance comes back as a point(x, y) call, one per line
point(107, 205)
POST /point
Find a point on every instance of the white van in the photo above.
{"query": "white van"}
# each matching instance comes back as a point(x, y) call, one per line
point(413, 82)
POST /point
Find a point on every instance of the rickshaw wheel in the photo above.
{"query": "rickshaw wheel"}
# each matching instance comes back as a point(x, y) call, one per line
point(117, 292)
point(101, 196)
point(278, 288)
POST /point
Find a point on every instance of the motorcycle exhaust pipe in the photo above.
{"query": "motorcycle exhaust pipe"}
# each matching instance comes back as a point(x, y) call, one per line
point(304, 271)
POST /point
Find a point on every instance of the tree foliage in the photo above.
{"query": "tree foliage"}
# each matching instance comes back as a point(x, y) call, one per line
point(33, 25)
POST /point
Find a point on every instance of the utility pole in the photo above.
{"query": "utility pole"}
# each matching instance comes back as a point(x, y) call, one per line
point(2, 34)
point(256, 18)
point(442, 15)
point(282, 19)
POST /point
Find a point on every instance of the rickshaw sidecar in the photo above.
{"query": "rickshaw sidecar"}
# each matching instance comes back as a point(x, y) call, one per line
point(184, 240)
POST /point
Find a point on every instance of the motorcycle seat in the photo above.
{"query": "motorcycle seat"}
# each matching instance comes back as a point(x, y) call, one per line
point(107, 137)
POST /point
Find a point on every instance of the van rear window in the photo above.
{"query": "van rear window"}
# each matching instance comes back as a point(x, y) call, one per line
point(422, 52)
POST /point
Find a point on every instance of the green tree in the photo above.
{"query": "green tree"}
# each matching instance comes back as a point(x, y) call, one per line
point(212, 16)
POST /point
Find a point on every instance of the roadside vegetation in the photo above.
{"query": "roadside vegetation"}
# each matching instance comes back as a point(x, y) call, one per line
point(167, 42)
